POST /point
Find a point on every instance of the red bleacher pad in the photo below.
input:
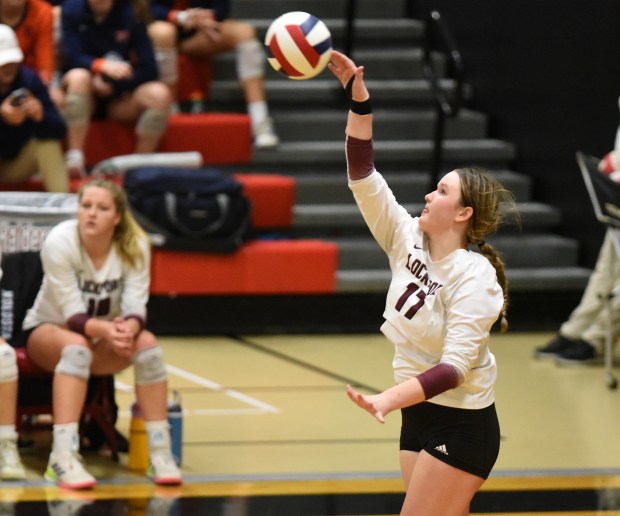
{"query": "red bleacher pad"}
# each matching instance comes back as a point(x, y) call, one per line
point(272, 196)
point(258, 267)
point(221, 138)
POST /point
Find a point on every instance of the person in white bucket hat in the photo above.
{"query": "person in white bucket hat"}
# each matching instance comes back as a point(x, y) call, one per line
point(31, 128)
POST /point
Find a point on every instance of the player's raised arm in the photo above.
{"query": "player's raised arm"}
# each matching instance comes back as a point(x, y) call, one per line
point(351, 76)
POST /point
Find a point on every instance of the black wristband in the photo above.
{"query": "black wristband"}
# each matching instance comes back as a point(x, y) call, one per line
point(359, 108)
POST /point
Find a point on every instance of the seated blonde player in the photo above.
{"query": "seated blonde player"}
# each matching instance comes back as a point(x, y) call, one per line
point(89, 318)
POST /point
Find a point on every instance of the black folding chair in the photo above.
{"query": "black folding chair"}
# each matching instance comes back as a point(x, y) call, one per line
point(605, 197)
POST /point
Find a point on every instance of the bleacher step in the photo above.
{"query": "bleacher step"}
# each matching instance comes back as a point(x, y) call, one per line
point(321, 8)
point(534, 216)
point(389, 124)
point(391, 155)
point(518, 251)
point(410, 186)
point(520, 280)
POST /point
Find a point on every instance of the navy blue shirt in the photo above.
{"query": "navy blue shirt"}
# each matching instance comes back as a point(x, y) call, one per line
point(84, 41)
point(51, 127)
point(160, 9)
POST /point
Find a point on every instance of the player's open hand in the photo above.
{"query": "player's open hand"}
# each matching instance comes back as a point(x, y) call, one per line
point(370, 404)
point(344, 68)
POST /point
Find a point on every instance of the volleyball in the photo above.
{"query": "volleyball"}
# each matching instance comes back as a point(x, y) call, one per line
point(298, 45)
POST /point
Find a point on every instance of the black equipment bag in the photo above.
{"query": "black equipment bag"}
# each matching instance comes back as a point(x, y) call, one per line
point(191, 209)
point(22, 274)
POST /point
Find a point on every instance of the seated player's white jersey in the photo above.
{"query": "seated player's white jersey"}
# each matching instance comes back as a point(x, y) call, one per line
point(72, 285)
point(435, 311)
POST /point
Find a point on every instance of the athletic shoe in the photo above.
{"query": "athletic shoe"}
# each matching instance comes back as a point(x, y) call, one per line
point(579, 353)
point(74, 159)
point(265, 136)
point(11, 467)
point(554, 348)
point(163, 469)
point(65, 469)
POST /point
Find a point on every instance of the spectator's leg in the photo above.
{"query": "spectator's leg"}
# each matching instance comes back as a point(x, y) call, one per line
point(52, 166)
point(150, 106)
point(22, 167)
point(77, 84)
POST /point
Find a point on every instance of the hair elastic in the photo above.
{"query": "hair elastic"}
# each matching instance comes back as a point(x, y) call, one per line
point(481, 244)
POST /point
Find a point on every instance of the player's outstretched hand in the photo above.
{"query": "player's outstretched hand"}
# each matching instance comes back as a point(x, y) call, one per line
point(369, 403)
point(344, 68)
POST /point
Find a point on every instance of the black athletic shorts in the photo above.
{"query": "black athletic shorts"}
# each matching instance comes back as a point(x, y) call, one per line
point(463, 438)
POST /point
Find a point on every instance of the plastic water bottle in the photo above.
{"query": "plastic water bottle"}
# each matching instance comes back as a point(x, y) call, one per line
point(138, 442)
point(175, 420)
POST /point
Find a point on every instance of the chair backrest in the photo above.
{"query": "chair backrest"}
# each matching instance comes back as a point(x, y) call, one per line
point(22, 274)
point(604, 193)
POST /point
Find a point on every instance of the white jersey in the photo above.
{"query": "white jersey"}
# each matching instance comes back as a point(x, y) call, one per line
point(438, 311)
point(72, 285)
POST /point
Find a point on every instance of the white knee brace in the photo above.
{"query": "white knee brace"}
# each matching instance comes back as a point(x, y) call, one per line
point(75, 361)
point(8, 364)
point(149, 366)
point(250, 60)
point(77, 111)
point(152, 122)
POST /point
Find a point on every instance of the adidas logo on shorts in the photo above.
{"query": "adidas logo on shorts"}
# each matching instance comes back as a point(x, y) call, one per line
point(442, 448)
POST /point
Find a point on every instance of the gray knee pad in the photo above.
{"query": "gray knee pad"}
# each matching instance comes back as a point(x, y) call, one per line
point(168, 65)
point(8, 364)
point(149, 366)
point(77, 111)
point(152, 122)
point(250, 60)
point(75, 361)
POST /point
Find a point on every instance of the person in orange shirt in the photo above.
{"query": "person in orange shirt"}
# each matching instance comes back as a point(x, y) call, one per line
point(33, 23)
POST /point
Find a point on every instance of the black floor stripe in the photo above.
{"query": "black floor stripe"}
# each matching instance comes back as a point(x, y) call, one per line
point(305, 365)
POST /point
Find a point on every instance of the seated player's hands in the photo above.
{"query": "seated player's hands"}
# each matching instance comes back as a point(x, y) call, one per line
point(116, 70)
point(102, 87)
point(121, 337)
point(203, 20)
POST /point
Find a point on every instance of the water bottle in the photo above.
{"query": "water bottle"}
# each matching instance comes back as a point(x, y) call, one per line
point(138, 441)
point(175, 420)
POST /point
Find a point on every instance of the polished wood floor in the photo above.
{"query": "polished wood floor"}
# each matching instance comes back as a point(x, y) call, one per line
point(268, 430)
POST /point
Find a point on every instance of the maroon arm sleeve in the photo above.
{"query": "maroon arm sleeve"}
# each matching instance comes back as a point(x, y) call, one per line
point(438, 379)
point(77, 323)
point(137, 318)
point(360, 158)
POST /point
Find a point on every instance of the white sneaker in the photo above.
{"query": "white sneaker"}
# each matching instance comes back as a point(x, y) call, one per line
point(74, 159)
point(11, 467)
point(265, 136)
point(163, 469)
point(65, 469)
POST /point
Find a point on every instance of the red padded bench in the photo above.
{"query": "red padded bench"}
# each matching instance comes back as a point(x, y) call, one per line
point(258, 267)
point(221, 138)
